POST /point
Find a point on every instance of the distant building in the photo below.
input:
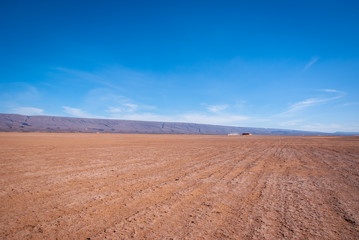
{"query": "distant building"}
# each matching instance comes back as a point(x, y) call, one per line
point(246, 133)
point(233, 134)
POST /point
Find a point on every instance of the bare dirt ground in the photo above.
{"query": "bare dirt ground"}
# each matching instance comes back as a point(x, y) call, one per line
point(122, 186)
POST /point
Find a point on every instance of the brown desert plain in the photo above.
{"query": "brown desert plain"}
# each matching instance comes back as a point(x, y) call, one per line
point(128, 186)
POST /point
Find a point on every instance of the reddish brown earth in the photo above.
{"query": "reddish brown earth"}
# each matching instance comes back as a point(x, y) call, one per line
point(118, 186)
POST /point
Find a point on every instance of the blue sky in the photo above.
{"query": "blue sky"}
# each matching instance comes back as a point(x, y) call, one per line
point(278, 64)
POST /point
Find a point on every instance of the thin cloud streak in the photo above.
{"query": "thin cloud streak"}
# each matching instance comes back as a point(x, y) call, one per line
point(130, 107)
point(331, 90)
point(124, 108)
point(310, 64)
point(217, 108)
point(76, 112)
point(310, 102)
point(28, 111)
point(87, 76)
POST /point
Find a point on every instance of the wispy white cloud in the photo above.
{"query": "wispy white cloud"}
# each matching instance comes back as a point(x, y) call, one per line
point(331, 90)
point(310, 64)
point(113, 110)
point(217, 108)
point(99, 78)
point(123, 108)
point(310, 102)
point(76, 112)
point(130, 107)
point(305, 104)
point(28, 110)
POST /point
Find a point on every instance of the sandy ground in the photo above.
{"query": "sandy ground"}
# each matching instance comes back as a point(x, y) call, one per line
point(122, 186)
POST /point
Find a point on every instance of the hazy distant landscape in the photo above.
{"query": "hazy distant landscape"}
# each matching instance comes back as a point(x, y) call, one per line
point(21, 123)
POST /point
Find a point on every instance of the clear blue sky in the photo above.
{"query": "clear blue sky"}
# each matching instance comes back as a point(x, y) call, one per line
point(279, 64)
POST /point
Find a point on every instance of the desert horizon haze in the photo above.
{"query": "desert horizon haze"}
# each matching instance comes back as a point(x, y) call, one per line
point(22, 123)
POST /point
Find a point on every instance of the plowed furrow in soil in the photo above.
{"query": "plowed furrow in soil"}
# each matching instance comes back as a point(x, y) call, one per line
point(123, 186)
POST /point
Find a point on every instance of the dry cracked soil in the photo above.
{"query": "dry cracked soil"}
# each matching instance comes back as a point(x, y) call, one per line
point(128, 186)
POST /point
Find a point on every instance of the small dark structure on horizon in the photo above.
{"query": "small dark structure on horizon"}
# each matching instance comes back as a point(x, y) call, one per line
point(246, 133)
